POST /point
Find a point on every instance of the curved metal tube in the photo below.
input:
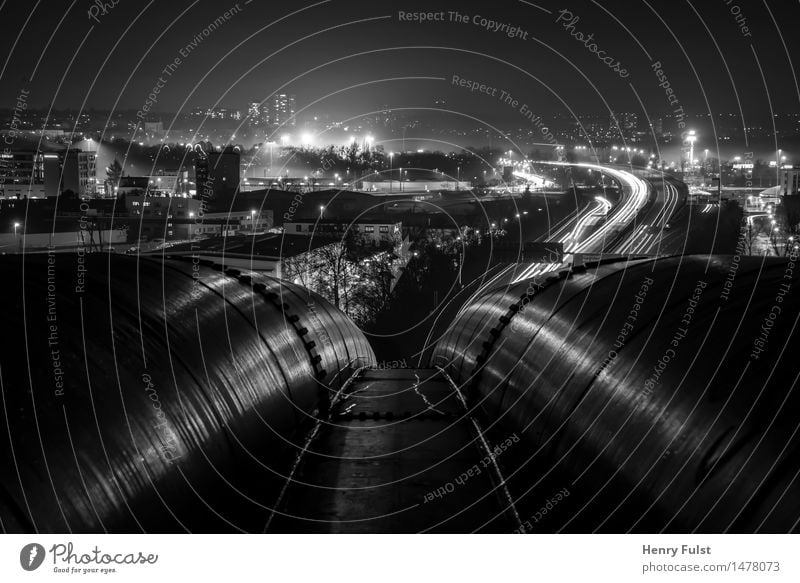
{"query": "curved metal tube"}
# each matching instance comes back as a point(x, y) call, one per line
point(661, 394)
point(157, 395)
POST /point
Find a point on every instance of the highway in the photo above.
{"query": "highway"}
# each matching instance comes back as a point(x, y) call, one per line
point(634, 222)
point(654, 222)
point(664, 224)
point(650, 218)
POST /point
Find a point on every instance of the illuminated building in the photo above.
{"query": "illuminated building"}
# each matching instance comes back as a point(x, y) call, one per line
point(279, 111)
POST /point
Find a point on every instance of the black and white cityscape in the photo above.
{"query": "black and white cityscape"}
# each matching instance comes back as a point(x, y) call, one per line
point(338, 266)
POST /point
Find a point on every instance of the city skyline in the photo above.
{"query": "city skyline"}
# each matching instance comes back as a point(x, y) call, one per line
point(228, 56)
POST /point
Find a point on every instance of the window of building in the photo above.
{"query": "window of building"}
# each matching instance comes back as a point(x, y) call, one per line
point(384, 228)
point(369, 229)
point(298, 228)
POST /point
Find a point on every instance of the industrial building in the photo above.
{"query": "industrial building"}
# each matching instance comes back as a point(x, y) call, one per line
point(39, 174)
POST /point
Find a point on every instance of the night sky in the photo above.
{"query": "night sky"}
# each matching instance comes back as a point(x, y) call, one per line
point(355, 57)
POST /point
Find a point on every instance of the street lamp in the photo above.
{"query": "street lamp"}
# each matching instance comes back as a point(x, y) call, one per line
point(16, 226)
point(391, 160)
point(270, 144)
point(691, 138)
point(253, 220)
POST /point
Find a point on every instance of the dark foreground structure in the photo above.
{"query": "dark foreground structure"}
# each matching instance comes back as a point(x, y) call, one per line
point(163, 396)
point(150, 395)
point(660, 393)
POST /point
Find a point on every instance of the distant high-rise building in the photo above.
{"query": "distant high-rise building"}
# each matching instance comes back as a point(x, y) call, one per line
point(657, 126)
point(627, 121)
point(209, 113)
point(255, 114)
point(279, 111)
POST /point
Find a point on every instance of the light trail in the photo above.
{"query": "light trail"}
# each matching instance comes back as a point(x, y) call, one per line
point(634, 196)
point(645, 236)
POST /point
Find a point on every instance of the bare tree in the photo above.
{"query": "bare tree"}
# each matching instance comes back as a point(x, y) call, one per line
point(750, 235)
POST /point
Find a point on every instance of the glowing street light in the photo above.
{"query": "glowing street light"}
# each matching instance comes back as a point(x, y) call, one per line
point(16, 226)
point(691, 138)
point(391, 160)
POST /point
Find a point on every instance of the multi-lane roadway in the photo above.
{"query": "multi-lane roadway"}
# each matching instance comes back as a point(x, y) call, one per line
point(635, 224)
